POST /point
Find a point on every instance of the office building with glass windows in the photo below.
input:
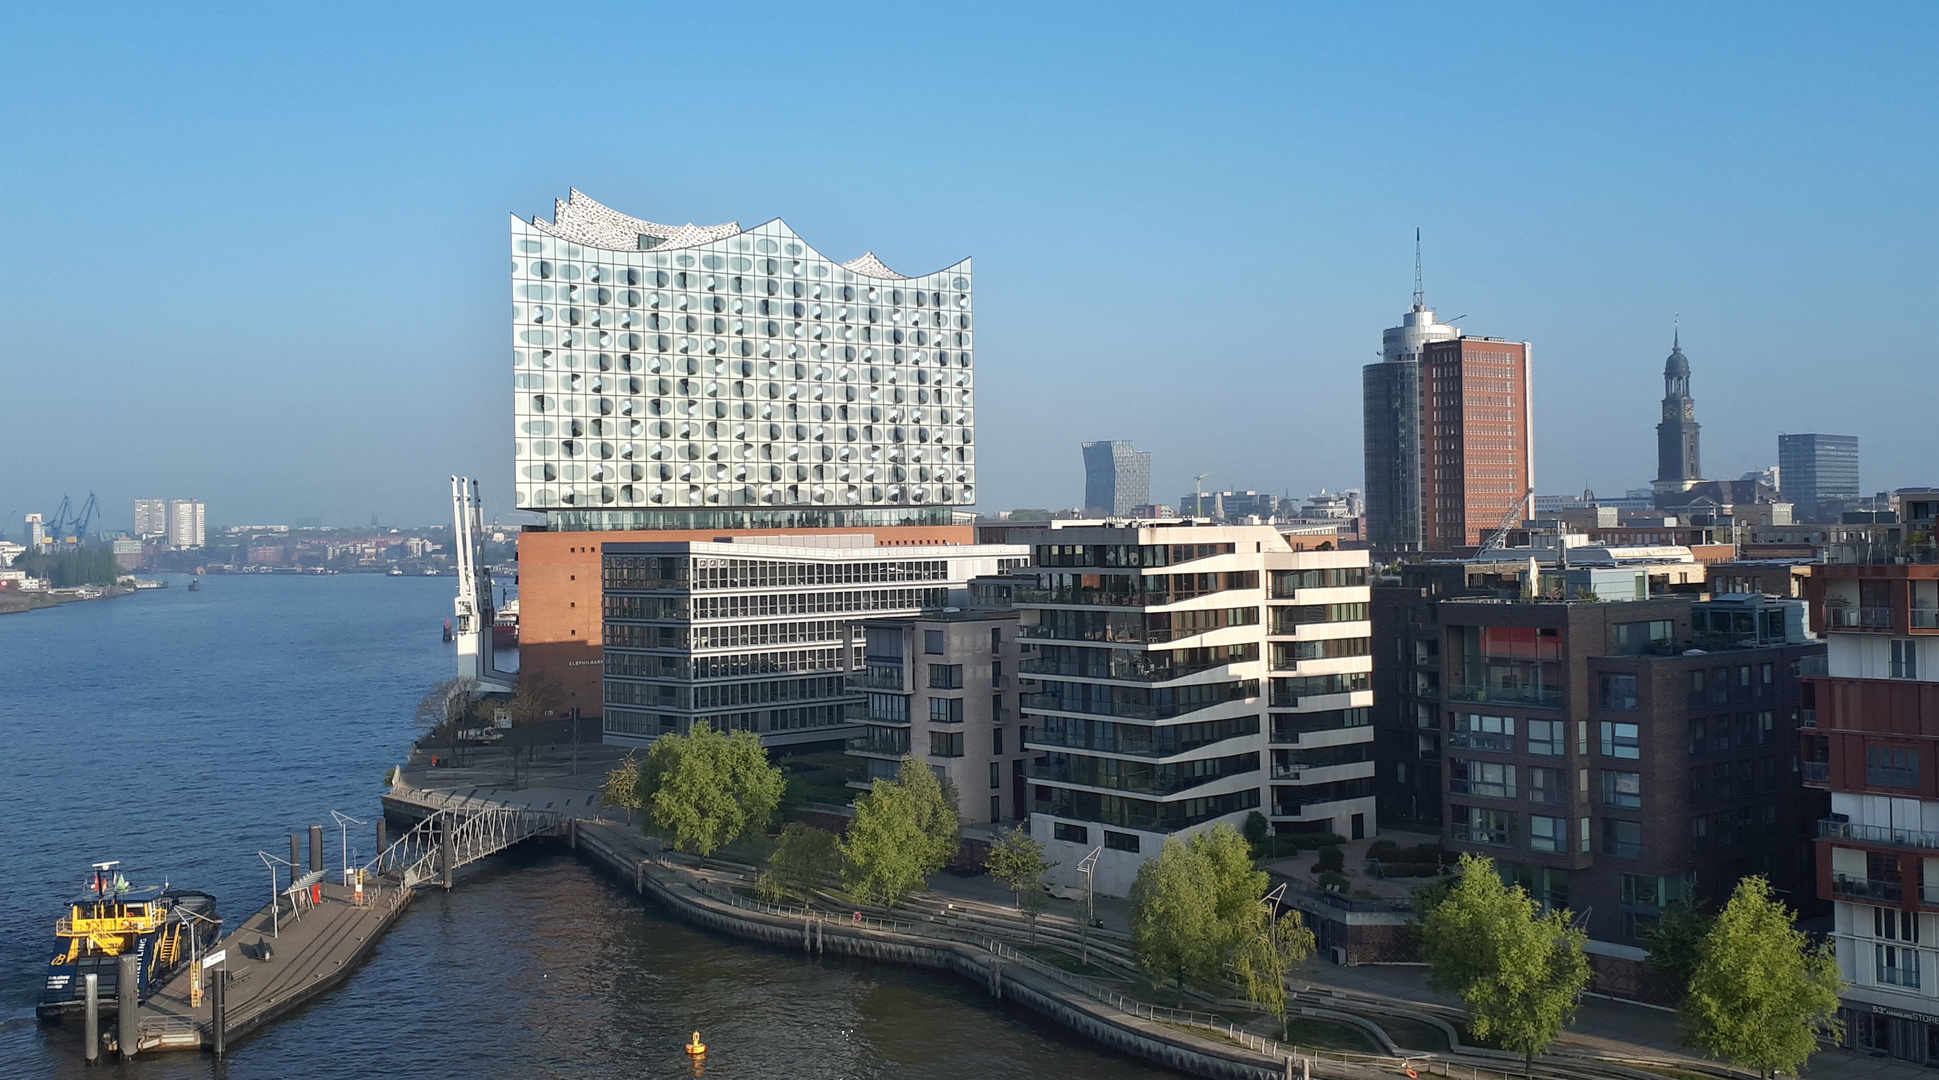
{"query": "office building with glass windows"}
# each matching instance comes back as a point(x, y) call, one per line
point(1185, 675)
point(1819, 474)
point(1117, 478)
point(763, 634)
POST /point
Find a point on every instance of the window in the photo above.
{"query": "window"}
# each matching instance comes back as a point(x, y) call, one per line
point(1887, 767)
point(1548, 787)
point(1076, 834)
point(946, 676)
point(1582, 834)
point(1700, 832)
point(945, 744)
point(996, 741)
point(1549, 834)
point(1548, 738)
point(996, 639)
point(1484, 778)
point(1619, 692)
point(1623, 789)
point(1622, 839)
point(932, 642)
point(1719, 684)
point(1477, 825)
point(996, 776)
point(1121, 841)
point(996, 809)
point(1621, 740)
point(1905, 659)
point(1897, 966)
point(1766, 727)
point(893, 708)
point(1496, 733)
point(1895, 925)
point(945, 710)
point(1582, 736)
point(1642, 637)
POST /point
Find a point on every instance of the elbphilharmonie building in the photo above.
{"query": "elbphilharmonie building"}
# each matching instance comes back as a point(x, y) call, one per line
point(718, 377)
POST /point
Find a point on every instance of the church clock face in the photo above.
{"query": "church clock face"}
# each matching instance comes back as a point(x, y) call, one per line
point(1689, 409)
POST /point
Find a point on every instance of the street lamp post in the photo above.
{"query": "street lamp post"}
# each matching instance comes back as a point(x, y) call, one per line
point(344, 821)
point(1088, 868)
point(275, 903)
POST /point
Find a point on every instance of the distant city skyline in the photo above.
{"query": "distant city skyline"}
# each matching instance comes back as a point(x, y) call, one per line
point(306, 316)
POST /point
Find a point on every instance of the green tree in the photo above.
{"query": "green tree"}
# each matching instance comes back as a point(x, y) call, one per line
point(707, 789)
point(1269, 951)
point(1761, 993)
point(1520, 972)
point(1676, 940)
point(1190, 907)
point(1257, 831)
point(803, 860)
point(903, 831)
point(1017, 860)
point(622, 787)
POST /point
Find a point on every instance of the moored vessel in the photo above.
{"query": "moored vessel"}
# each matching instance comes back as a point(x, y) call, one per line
point(163, 928)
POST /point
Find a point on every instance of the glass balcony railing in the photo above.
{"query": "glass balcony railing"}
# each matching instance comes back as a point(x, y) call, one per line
point(1878, 834)
point(1540, 696)
point(1925, 619)
point(1815, 772)
point(1129, 666)
point(875, 678)
point(1108, 597)
point(1866, 889)
point(1124, 710)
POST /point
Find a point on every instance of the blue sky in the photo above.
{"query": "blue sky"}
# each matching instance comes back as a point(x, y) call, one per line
point(256, 255)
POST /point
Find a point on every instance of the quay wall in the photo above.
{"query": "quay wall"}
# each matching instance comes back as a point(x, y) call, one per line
point(1184, 1053)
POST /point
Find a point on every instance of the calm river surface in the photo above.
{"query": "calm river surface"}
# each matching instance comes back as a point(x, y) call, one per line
point(183, 732)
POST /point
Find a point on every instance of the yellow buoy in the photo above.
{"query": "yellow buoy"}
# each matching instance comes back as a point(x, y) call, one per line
point(696, 1047)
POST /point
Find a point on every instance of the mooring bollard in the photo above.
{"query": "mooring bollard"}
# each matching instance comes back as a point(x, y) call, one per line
point(296, 857)
point(380, 843)
point(444, 851)
point(316, 848)
point(92, 1048)
point(127, 1005)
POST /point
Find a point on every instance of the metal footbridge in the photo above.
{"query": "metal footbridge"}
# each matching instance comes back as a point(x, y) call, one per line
point(457, 836)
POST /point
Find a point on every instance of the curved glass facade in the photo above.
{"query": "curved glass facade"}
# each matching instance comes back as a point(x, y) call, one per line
point(707, 368)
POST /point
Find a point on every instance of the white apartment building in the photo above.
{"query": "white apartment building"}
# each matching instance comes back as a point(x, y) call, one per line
point(1189, 674)
point(186, 527)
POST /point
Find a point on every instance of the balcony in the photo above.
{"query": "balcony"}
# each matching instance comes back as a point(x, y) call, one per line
point(1158, 780)
point(1863, 618)
point(1925, 619)
point(875, 678)
point(1121, 710)
point(1878, 834)
point(1110, 598)
point(1816, 772)
point(1538, 696)
point(1866, 889)
point(1124, 666)
point(1808, 718)
point(878, 744)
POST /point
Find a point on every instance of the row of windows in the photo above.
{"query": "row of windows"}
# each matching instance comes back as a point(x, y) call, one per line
point(1549, 738)
point(1742, 731)
point(1733, 779)
point(1125, 555)
point(1487, 827)
point(1727, 828)
point(711, 573)
point(814, 603)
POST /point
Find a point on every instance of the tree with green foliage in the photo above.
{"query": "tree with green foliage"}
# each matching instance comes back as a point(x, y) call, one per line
point(1017, 860)
point(1191, 905)
point(622, 787)
point(1761, 993)
point(72, 569)
point(1269, 950)
point(1257, 832)
point(903, 831)
point(1521, 972)
point(1676, 940)
point(707, 789)
point(804, 859)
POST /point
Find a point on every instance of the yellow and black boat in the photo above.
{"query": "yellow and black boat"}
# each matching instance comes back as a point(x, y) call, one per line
point(164, 928)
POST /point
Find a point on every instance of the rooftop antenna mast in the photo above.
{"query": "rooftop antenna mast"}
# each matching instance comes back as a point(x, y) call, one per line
point(1420, 302)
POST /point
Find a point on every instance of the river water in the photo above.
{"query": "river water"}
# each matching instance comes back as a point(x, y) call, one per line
point(182, 732)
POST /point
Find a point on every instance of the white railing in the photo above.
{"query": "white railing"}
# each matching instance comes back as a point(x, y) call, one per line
point(476, 832)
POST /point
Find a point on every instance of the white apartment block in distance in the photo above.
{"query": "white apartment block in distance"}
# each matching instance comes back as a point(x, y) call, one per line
point(762, 633)
point(185, 523)
point(1189, 674)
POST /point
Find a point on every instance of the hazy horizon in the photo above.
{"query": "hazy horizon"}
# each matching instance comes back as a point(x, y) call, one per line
point(260, 254)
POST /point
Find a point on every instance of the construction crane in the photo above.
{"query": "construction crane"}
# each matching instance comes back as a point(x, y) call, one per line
point(79, 533)
point(1508, 521)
